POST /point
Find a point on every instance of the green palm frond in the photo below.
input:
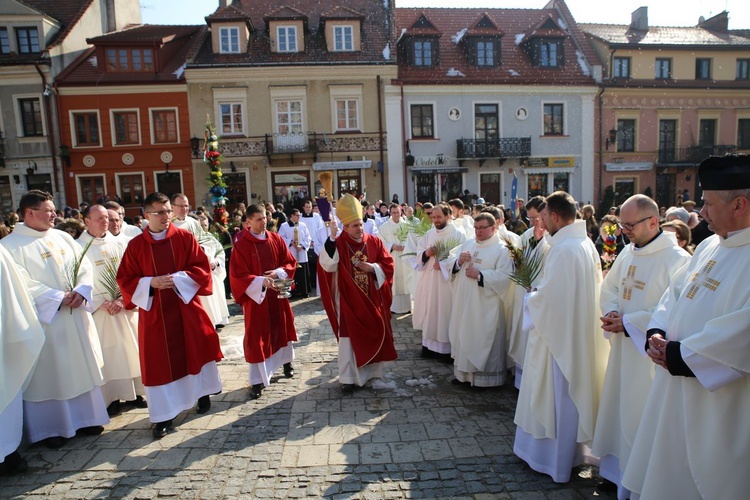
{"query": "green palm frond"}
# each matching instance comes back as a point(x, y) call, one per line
point(72, 267)
point(443, 247)
point(402, 232)
point(527, 264)
point(108, 278)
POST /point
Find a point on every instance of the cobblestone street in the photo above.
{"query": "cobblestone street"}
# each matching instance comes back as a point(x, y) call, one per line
point(410, 435)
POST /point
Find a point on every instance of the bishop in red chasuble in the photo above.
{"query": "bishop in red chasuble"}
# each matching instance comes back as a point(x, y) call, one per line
point(258, 258)
point(356, 274)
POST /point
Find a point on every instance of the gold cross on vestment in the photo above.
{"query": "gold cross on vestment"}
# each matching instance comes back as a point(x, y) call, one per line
point(629, 282)
point(701, 278)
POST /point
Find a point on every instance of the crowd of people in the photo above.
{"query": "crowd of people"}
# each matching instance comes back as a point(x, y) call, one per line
point(625, 336)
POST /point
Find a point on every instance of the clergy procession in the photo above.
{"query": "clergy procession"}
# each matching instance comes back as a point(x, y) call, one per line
point(626, 345)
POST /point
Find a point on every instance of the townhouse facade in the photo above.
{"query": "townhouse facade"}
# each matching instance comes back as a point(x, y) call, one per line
point(124, 117)
point(488, 97)
point(294, 89)
point(670, 97)
point(38, 38)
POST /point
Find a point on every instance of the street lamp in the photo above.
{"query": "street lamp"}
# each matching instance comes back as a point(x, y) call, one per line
point(611, 138)
point(195, 145)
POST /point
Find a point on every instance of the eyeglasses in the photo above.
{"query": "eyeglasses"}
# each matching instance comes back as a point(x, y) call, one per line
point(630, 227)
point(477, 228)
point(182, 206)
point(160, 213)
point(46, 211)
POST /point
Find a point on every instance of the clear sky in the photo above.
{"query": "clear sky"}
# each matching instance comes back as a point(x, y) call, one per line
point(660, 12)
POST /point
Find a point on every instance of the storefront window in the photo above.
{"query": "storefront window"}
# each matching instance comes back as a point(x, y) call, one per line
point(537, 185)
point(289, 187)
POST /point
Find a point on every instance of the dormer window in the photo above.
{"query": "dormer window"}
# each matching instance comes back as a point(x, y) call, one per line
point(423, 52)
point(229, 40)
point(286, 38)
point(125, 60)
point(28, 40)
point(484, 52)
point(550, 53)
point(4, 41)
point(343, 37)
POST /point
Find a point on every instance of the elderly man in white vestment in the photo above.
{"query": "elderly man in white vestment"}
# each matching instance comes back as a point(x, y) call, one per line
point(116, 326)
point(216, 303)
point(630, 293)
point(566, 351)
point(115, 227)
point(432, 299)
point(126, 230)
point(517, 337)
point(21, 340)
point(63, 395)
point(391, 235)
point(694, 438)
point(483, 300)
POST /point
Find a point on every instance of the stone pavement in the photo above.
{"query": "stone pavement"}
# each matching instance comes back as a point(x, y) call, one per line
point(410, 435)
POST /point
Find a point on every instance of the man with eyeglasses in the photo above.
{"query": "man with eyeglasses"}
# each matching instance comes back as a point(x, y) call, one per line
point(630, 293)
point(693, 441)
point(482, 305)
point(163, 272)
point(128, 230)
point(533, 237)
point(566, 351)
point(68, 374)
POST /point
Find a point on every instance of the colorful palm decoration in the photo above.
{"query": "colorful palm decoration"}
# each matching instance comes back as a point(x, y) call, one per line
point(212, 157)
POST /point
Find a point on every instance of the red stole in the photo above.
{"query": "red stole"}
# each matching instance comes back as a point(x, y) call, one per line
point(364, 311)
point(269, 326)
point(175, 339)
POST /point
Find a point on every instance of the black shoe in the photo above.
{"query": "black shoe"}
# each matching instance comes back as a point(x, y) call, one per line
point(161, 429)
point(218, 327)
point(204, 404)
point(606, 486)
point(288, 370)
point(114, 408)
point(94, 430)
point(139, 402)
point(455, 381)
point(426, 353)
point(347, 388)
point(256, 391)
point(13, 464)
point(54, 443)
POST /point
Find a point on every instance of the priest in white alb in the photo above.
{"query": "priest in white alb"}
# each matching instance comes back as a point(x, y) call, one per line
point(21, 340)
point(63, 395)
point(535, 238)
point(433, 295)
point(566, 351)
point(630, 293)
point(394, 232)
point(483, 300)
point(462, 222)
point(299, 241)
point(693, 440)
point(117, 327)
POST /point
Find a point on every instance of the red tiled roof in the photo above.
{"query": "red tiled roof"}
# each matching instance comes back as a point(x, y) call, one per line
point(659, 36)
point(377, 33)
point(178, 42)
point(339, 12)
point(66, 12)
point(228, 13)
point(515, 64)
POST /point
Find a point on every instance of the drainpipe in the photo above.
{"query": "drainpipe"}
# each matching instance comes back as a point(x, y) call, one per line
point(50, 133)
point(380, 139)
point(403, 144)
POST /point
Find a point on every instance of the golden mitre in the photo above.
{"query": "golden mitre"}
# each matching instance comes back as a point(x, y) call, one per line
point(348, 209)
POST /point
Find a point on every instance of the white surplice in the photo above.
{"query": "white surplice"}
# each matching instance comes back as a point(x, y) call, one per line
point(21, 341)
point(118, 333)
point(432, 298)
point(479, 317)
point(402, 270)
point(694, 440)
point(68, 374)
point(632, 288)
point(129, 230)
point(565, 336)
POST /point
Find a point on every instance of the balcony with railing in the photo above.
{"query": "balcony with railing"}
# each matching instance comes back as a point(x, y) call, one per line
point(498, 147)
point(692, 155)
point(301, 143)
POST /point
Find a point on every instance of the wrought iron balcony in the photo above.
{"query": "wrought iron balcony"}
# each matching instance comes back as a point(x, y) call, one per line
point(499, 147)
point(692, 155)
point(311, 142)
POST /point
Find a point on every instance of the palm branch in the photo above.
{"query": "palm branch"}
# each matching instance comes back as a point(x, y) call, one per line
point(72, 267)
point(402, 232)
point(527, 264)
point(443, 247)
point(108, 278)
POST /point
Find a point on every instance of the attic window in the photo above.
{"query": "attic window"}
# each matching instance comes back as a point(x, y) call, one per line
point(4, 41)
point(286, 37)
point(423, 52)
point(229, 40)
point(27, 40)
point(484, 52)
point(137, 60)
point(343, 37)
point(546, 52)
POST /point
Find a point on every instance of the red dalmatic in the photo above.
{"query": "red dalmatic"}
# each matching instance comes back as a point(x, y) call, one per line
point(360, 310)
point(175, 339)
point(269, 326)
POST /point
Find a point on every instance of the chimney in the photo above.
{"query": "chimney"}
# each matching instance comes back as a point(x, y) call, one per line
point(225, 3)
point(639, 19)
point(718, 24)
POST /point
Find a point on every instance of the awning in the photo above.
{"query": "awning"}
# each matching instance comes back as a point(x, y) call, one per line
point(547, 170)
point(341, 165)
point(628, 167)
